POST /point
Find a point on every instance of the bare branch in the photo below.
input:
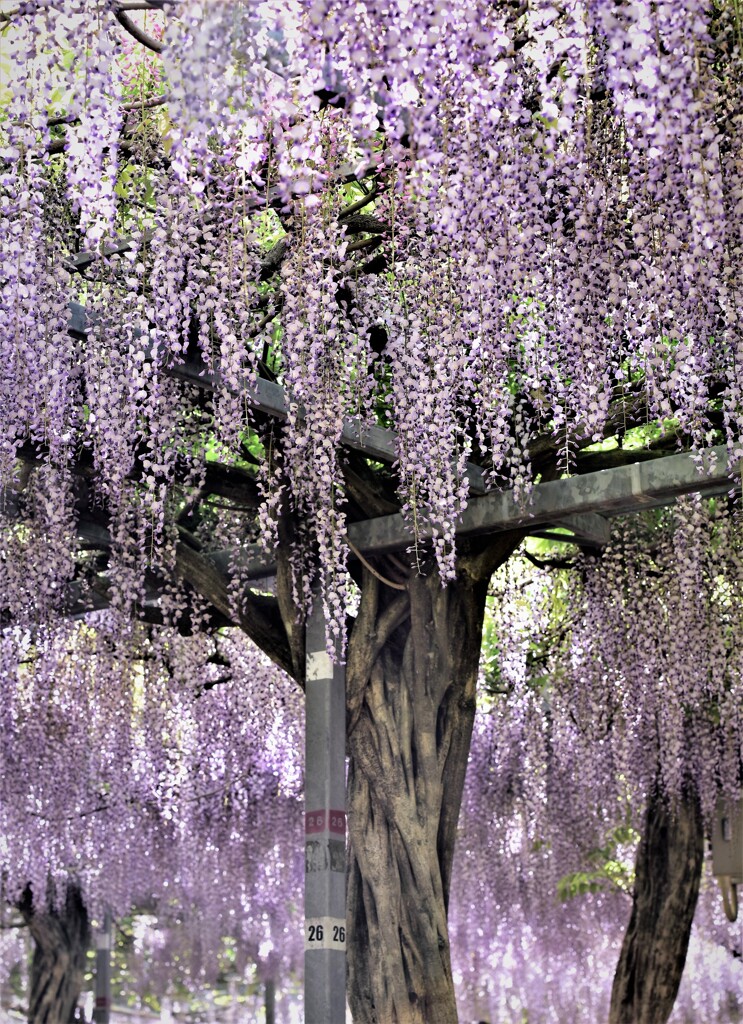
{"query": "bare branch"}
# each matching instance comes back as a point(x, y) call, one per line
point(144, 5)
point(63, 119)
point(363, 222)
point(548, 563)
point(136, 32)
point(361, 203)
point(373, 571)
point(156, 101)
point(372, 242)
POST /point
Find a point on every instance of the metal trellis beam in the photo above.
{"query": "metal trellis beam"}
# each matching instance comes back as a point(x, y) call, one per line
point(582, 504)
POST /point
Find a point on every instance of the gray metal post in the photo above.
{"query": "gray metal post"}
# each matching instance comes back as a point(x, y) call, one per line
point(325, 831)
point(102, 1009)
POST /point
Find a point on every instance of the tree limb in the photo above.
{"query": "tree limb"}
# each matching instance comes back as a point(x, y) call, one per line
point(156, 101)
point(373, 571)
point(233, 483)
point(590, 462)
point(361, 203)
point(362, 222)
point(548, 563)
point(135, 31)
point(145, 5)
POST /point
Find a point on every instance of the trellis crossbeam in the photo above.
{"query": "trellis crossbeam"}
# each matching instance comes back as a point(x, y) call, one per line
point(608, 492)
point(579, 503)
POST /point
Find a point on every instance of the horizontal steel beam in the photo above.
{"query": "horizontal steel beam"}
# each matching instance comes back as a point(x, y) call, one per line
point(580, 503)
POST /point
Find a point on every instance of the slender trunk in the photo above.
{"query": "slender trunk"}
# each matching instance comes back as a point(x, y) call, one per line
point(61, 938)
point(667, 876)
point(411, 677)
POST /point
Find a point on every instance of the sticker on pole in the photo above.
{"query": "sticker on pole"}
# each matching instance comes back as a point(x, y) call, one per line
point(318, 821)
point(325, 933)
point(319, 666)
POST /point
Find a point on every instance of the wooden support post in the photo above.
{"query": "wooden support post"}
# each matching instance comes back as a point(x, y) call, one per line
point(325, 831)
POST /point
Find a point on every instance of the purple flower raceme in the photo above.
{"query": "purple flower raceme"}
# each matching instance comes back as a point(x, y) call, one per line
point(158, 771)
point(560, 188)
point(489, 227)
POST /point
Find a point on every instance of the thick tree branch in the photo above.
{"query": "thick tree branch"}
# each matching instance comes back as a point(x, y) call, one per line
point(627, 410)
point(371, 243)
point(363, 223)
point(590, 462)
point(67, 119)
point(233, 483)
point(481, 556)
point(290, 614)
point(366, 489)
point(548, 563)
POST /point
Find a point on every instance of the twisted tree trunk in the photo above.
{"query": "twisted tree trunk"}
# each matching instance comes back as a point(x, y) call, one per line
point(411, 677)
point(61, 939)
point(667, 876)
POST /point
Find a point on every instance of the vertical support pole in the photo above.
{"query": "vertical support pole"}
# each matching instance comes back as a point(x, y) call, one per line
point(102, 1009)
point(270, 1001)
point(325, 830)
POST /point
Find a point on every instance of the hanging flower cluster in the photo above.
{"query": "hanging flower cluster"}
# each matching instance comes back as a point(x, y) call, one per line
point(605, 655)
point(542, 886)
point(657, 594)
point(597, 702)
point(36, 520)
point(559, 189)
point(157, 771)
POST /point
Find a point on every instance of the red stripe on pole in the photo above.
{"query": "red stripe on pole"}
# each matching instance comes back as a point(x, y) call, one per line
point(337, 822)
point(319, 821)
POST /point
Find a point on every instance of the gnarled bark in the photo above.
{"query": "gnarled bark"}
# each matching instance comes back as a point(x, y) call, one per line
point(411, 677)
point(667, 875)
point(61, 938)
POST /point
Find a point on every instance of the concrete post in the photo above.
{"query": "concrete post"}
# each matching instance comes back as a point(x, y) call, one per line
point(102, 1009)
point(325, 830)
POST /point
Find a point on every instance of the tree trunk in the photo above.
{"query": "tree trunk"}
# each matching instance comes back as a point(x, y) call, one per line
point(61, 939)
point(667, 877)
point(411, 672)
point(411, 677)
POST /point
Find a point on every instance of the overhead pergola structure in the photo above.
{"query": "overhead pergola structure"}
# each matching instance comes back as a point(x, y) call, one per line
point(580, 504)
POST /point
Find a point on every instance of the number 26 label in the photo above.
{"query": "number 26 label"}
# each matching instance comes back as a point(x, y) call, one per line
point(324, 933)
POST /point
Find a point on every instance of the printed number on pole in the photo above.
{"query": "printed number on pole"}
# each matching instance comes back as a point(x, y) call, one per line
point(324, 933)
